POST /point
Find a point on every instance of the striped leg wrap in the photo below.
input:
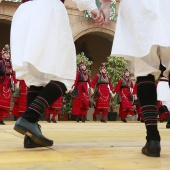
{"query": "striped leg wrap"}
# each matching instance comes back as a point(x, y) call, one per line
point(150, 113)
point(39, 105)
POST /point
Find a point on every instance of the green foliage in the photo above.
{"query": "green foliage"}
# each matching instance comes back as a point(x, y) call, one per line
point(67, 103)
point(115, 67)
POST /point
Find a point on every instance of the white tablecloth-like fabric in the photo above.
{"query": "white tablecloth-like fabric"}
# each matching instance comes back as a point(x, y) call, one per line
point(42, 47)
point(163, 93)
point(142, 27)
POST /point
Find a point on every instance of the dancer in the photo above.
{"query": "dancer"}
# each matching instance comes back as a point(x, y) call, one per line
point(55, 109)
point(124, 89)
point(103, 92)
point(42, 58)
point(7, 77)
point(80, 89)
point(20, 99)
point(142, 36)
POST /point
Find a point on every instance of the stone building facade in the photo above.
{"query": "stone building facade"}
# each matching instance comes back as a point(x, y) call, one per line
point(94, 41)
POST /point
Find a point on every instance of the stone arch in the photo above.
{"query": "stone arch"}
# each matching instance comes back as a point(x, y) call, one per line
point(7, 10)
point(94, 30)
point(7, 18)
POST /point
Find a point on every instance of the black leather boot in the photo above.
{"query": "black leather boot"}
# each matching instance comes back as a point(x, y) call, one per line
point(2, 122)
point(53, 120)
point(152, 148)
point(104, 121)
point(94, 119)
point(29, 143)
point(48, 120)
point(33, 131)
point(168, 125)
point(77, 119)
point(124, 120)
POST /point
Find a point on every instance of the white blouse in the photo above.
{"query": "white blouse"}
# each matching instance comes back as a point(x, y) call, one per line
point(85, 4)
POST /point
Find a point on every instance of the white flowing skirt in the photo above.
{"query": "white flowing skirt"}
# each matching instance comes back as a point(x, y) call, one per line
point(163, 91)
point(142, 27)
point(42, 47)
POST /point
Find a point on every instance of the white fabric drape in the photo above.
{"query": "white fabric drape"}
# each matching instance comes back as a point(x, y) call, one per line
point(42, 47)
point(86, 4)
point(142, 27)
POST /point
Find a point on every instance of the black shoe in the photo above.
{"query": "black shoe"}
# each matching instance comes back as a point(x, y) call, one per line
point(103, 121)
point(152, 149)
point(142, 121)
point(2, 122)
point(48, 120)
point(53, 120)
point(138, 119)
point(124, 120)
point(33, 131)
point(83, 120)
point(94, 119)
point(78, 119)
point(29, 143)
point(168, 126)
point(161, 121)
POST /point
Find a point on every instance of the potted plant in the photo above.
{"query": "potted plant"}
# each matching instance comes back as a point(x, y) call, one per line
point(115, 67)
point(66, 109)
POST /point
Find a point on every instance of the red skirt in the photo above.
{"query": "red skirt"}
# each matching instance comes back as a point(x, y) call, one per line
point(58, 103)
point(126, 103)
point(103, 99)
point(5, 94)
point(82, 101)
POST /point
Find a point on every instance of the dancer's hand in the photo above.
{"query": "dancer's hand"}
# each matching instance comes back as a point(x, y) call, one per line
point(105, 9)
point(92, 91)
point(112, 94)
point(98, 17)
point(16, 86)
point(135, 97)
point(72, 89)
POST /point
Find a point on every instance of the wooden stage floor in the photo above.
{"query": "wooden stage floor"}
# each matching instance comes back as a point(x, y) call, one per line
point(84, 146)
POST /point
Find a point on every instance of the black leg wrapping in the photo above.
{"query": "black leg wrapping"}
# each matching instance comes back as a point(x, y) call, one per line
point(146, 90)
point(147, 96)
point(50, 93)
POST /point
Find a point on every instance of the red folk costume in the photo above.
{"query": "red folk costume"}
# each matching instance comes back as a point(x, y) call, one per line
point(6, 75)
point(103, 88)
point(80, 94)
point(123, 89)
point(20, 100)
point(54, 109)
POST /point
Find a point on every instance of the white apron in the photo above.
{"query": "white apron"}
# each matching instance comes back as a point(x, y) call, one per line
point(142, 26)
point(163, 93)
point(42, 47)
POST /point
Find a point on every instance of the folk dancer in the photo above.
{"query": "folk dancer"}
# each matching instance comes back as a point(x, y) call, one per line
point(137, 39)
point(103, 92)
point(45, 60)
point(80, 90)
point(124, 89)
point(7, 77)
